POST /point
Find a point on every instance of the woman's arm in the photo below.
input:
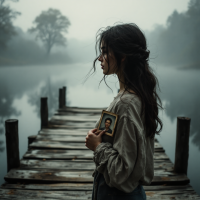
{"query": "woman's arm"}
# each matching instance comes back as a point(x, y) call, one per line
point(117, 162)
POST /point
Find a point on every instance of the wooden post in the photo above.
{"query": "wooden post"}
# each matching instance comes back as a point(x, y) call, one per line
point(64, 96)
point(182, 145)
point(60, 98)
point(44, 112)
point(12, 144)
point(31, 138)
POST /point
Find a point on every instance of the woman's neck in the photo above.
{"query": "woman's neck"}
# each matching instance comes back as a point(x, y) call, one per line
point(121, 84)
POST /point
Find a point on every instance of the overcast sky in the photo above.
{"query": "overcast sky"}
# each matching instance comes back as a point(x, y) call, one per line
point(87, 16)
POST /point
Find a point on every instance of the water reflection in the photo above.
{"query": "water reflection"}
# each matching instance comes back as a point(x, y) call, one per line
point(47, 90)
point(22, 93)
point(6, 111)
point(180, 89)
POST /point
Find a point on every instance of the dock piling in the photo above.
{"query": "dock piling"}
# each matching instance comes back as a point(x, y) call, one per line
point(64, 96)
point(12, 144)
point(182, 145)
point(44, 112)
point(31, 138)
point(60, 97)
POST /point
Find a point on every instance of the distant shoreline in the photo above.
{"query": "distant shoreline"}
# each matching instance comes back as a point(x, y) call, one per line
point(190, 66)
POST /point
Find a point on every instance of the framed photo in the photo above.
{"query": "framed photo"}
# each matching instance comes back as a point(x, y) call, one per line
point(108, 122)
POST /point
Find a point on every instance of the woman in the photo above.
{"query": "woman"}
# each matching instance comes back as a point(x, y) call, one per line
point(125, 162)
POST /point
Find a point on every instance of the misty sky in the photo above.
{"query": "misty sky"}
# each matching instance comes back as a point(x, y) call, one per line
point(87, 16)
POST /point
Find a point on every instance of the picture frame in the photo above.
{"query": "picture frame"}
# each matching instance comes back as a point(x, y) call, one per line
point(108, 121)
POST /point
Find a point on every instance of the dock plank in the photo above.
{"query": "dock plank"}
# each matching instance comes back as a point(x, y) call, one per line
point(70, 138)
point(59, 166)
point(74, 164)
point(49, 144)
point(67, 132)
point(76, 119)
point(71, 124)
point(82, 110)
point(72, 154)
point(61, 138)
point(83, 195)
point(67, 142)
point(85, 187)
point(30, 194)
point(60, 176)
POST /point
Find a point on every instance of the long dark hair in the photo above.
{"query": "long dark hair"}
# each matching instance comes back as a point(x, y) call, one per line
point(127, 40)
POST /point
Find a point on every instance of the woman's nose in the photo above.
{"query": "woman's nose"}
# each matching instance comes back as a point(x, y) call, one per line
point(100, 58)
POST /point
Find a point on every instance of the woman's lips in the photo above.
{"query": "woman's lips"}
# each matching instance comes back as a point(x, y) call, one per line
point(102, 66)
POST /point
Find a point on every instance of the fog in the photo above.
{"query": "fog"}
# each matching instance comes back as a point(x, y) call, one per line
point(27, 73)
point(181, 34)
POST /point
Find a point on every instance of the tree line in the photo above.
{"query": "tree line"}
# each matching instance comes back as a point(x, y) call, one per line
point(177, 43)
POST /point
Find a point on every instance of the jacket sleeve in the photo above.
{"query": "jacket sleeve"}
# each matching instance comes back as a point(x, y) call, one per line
point(117, 162)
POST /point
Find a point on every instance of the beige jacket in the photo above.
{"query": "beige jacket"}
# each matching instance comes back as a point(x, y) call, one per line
point(126, 159)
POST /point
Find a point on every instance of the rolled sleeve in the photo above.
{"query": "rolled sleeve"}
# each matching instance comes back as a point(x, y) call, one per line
point(117, 162)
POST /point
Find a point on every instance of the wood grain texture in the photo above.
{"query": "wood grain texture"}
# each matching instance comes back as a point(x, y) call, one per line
point(67, 132)
point(83, 195)
point(85, 186)
point(61, 176)
point(81, 110)
point(59, 166)
point(82, 165)
point(76, 118)
point(65, 142)
point(55, 154)
point(30, 194)
point(75, 165)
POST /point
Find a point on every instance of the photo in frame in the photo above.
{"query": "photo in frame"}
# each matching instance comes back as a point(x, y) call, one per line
point(108, 121)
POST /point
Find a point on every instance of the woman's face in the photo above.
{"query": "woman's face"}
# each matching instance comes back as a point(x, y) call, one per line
point(104, 57)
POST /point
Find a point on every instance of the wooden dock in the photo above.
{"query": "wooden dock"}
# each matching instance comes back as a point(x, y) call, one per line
point(57, 165)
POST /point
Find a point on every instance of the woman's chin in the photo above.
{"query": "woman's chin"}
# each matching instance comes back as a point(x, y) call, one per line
point(105, 72)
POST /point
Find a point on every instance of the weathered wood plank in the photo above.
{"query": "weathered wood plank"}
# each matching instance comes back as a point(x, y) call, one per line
point(59, 154)
point(71, 164)
point(57, 164)
point(85, 186)
point(49, 144)
point(67, 132)
point(66, 142)
point(61, 138)
point(81, 176)
point(72, 154)
point(72, 138)
point(30, 194)
point(81, 110)
point(72, 124)
point(52, 187)
point(82, 195)
point(76, 119)
point(49, 176)
point(77, 114)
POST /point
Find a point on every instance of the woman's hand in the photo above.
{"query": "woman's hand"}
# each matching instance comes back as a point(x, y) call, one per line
point(93, 139)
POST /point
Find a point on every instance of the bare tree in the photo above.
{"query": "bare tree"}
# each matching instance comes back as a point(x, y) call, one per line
point(49, 27)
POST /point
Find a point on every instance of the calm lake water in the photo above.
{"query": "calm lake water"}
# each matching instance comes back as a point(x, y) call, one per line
point(22, 87)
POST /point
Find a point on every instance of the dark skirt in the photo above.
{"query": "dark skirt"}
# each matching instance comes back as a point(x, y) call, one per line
point(101, 191)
